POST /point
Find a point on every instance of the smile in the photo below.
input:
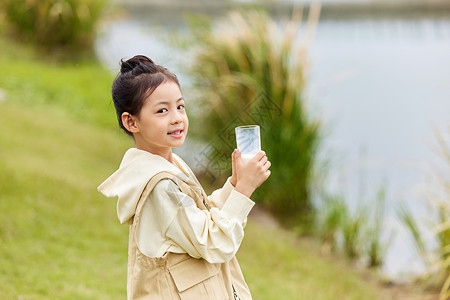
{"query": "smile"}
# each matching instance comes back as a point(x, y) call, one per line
point(176, 134)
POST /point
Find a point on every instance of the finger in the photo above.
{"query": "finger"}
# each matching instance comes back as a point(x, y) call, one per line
point(264, 160)
point(233, 160)
point(265, 167)
point(238, 157)
point(258, 156)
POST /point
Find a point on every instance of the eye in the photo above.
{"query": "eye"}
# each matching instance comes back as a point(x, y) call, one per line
point(182, 106)
point(162, 110)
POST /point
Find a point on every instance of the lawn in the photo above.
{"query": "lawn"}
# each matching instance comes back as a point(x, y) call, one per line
point(60, 239)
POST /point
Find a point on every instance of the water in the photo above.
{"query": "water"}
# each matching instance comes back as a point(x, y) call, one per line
point(382, 86)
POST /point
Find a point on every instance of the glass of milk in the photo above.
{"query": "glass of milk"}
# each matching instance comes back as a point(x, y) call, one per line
point(248, 141)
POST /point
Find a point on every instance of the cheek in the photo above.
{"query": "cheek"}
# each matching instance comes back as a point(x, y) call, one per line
point(155, 127)
point(186, 121)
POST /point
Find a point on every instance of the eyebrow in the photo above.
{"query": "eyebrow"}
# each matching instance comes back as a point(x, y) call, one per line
point(166, 102)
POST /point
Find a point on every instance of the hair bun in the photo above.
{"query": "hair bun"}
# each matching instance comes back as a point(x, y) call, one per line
point(130, 64)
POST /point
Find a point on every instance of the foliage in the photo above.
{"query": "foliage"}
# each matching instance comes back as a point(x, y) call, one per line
point(330, 220)
point(443, 206)
point(55, 24)
point(376, 248)
point(252, 70)
point(352, 233)
point(357, 233)
point(443, 264)
point(437, 259)
point(408, 219)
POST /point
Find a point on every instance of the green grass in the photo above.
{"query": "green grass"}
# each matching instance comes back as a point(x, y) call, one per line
point(278, 265)
point(60, 239)
point(80, 90)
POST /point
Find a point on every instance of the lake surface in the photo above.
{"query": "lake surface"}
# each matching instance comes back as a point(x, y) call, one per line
point(381, 86)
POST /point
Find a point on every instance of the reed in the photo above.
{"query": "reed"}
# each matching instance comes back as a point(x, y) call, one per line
point(356, 233)
point(330, 219)
point(407, 218)
point(376, 247)
point(437, 259)
point(352, 230)
point(443, 208)
point(252, 70)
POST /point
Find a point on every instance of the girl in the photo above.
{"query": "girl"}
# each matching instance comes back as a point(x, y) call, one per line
point(182, 243)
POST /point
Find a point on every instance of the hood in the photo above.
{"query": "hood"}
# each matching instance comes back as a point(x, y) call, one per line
point(128, 182)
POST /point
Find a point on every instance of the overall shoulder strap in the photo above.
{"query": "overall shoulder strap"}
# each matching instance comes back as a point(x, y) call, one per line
point(185, 187)
point(148, 189)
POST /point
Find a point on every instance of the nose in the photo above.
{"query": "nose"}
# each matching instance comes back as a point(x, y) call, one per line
point(176, 117)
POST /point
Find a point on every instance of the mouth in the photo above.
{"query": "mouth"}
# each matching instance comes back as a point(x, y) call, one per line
point(176, 133)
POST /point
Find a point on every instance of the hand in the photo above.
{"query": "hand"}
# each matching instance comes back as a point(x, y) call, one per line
point(248, 176)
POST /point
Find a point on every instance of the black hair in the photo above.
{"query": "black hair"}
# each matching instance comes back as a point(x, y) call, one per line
point(139, 76)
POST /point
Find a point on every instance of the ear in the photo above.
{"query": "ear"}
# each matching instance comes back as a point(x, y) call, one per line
point(129, 122)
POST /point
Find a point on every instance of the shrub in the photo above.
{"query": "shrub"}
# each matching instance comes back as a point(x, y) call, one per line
point(251, 70)
point(55, 24)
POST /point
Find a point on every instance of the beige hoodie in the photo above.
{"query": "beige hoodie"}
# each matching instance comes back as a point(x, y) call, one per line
point(171, 220)
point(128, 182)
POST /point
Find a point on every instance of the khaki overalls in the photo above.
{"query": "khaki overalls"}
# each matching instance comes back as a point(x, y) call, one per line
point(180, 276)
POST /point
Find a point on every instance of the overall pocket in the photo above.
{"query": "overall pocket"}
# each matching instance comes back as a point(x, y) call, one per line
point(196, 279)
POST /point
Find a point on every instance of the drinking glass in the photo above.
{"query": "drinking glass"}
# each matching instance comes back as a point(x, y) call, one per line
point(248, 140)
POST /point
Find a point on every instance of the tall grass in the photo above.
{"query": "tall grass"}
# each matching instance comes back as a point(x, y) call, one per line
point(376, 247)
point(442, 201)
point(252, 70)
point(330, 220)
point(407, 218)
point(437, 259)
point(357, 233)
point(55, 24)
point(352, 233)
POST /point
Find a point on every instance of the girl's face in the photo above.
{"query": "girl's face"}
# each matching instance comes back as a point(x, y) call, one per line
point(162, 123)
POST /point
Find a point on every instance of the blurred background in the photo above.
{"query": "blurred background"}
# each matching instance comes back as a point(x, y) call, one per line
point(353, 98)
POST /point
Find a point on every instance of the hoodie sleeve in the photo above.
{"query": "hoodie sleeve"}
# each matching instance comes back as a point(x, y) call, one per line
point(214, 235)
point(220, 196)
